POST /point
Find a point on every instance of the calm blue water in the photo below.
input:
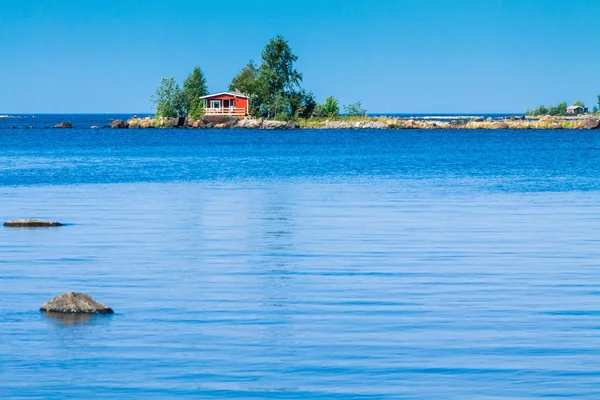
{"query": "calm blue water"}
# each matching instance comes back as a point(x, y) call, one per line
point(303, 264)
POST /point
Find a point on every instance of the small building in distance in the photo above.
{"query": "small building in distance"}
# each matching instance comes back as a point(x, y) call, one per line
point(226, 103)
point(576, 110)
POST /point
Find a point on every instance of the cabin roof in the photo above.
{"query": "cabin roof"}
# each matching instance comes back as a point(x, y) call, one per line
point(233, 94)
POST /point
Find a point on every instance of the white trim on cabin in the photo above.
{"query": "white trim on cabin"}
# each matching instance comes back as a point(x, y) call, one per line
point(225, 93)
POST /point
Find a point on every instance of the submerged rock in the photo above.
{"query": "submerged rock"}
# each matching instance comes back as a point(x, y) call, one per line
point(31, 223)
point(63, 125)
point(75, 303)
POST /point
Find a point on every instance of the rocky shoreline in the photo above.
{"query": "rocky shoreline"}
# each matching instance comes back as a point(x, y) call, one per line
point(227, 122)
point(428, 123)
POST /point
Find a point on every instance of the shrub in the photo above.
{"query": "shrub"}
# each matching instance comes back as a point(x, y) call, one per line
point(355, 110)
point(331, 107)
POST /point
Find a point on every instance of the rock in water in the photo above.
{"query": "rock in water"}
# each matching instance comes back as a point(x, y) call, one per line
point(75, 303)
point(31, 223)
point(63, 125)
point(119, 124)
point(590, 124)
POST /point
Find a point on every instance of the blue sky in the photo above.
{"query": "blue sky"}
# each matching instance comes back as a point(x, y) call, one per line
point(429, 56)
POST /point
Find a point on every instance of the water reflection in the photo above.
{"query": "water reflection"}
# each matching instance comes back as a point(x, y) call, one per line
point(75, 320)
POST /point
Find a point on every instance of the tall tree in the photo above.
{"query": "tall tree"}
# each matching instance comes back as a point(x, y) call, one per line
point(274, 87)
point(579, 103)
point(277, 68)
point(194, 87)
point(168, 99)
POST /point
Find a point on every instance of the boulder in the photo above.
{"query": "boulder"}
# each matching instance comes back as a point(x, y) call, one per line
point(590, 124)
point(219, 126)
point(197, 124)
point(228, 120)
point(274, 124)
point(63, 125)
point(555, 125)
point(31, 223)
point(458, 124)
point(291, 125)
point(498, 125)
point(75, 303)
point(177, 122)
point(410, 124)
point(249, 123)
point(478, 119)
point(94, 127)
point(119, 124)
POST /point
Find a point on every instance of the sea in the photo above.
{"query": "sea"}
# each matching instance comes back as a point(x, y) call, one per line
point(301, 264)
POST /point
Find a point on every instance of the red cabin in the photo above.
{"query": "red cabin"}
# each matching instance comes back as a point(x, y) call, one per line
point(226, 103)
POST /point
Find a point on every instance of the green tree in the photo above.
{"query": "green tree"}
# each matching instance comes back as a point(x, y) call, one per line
point(331, 107)
point(578, 103)
point(194, 87)
point(561, 109)
point(302, 104)
point(245, 81)
point(274, 87)
point(355, 110)
point(277, 69)
point(599, 101)
point(168, 99)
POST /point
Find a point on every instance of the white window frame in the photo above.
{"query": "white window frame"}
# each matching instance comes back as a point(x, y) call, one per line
point(213, 102)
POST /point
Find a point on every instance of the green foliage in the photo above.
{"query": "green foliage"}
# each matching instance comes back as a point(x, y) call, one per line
point(274, 87)
point(578, 103)
point(302, 104)
point(245, 81)
point(194, 87)
point(317, 112)
point(599, 101)
point(331, 107)
point(168, 99)
point(559, 110)
point(277, 69)
point(196, 110)
point(355, 110)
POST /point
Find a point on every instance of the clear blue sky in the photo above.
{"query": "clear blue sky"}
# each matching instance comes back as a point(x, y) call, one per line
point(466, 56)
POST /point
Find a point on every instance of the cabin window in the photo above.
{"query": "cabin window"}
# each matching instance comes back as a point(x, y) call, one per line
point(215, 104)
point(225, 103)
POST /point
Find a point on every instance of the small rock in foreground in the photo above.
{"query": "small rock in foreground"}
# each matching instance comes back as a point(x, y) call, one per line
point(75, 303)
point(31, 223)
